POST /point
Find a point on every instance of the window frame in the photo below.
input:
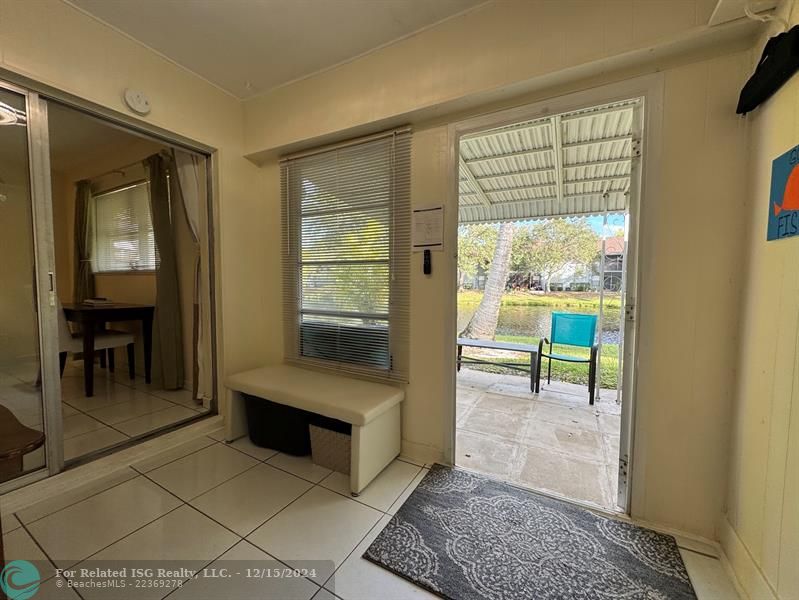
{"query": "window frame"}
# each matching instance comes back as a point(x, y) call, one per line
point(93, 230)
point(366, 359)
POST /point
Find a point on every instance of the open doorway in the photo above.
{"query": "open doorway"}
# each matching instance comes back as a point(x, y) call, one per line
point(545, 223)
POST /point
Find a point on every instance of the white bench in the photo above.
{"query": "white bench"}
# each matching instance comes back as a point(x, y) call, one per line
point(373, 410)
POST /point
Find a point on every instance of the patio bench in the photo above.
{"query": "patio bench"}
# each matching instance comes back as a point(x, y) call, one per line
point(506, 346)
point(373, 410)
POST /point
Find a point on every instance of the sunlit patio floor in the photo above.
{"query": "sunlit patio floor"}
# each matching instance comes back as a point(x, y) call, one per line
point(553, 441)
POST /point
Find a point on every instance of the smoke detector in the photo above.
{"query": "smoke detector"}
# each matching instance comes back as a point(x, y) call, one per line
point(137, 101)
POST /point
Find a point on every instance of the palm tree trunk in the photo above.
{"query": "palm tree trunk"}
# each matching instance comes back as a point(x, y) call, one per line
point(483, 324)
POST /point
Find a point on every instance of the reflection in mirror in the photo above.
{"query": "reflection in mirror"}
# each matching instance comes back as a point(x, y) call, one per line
point(21, 409)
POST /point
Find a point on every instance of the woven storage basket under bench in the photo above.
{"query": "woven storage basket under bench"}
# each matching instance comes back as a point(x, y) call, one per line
point(372, 410)
point(331, 443)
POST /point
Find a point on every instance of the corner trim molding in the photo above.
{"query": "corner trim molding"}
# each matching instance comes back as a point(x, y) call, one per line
point(741, 566)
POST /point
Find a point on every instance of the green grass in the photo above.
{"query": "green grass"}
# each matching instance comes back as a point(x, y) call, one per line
point(561, 371)
point(586, 300)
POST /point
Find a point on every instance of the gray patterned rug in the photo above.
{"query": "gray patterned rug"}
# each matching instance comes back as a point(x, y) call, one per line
point(466, 537)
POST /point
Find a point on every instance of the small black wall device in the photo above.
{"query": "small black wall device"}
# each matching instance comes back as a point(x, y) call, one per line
point(779, 62)
point(428, 266)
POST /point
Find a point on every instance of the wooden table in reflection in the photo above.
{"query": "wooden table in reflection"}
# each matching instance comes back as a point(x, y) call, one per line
point(92, 317)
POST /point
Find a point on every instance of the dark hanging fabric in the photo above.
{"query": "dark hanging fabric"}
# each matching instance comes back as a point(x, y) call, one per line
point(779, 62)
point(84, 278)
point(168, 331)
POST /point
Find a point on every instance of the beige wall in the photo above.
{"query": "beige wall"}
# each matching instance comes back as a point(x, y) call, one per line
point(691, 274)
point(760, 532)
point(18, 326)
point(497, 45)
point(691, 248)
point(691, 255)
point(54, 43)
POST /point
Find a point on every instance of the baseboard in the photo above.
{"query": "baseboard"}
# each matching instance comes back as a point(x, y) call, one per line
point(742, 567)
point(421, 453)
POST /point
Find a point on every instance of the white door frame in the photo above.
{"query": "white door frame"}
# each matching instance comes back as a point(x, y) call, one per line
point(643, 185)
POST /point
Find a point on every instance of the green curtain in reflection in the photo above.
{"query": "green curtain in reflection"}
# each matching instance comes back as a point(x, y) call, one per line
point(168, 331)
point(84, 278)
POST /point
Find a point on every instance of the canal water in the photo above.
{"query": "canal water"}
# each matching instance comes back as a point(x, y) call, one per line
point(534, 321)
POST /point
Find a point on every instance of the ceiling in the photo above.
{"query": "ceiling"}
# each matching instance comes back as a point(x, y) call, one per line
point(82, 146)
point(729, 10)
point(576, 163)
point(251, 46)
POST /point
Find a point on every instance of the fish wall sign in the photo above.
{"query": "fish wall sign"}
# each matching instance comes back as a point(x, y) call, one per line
point(783, 208)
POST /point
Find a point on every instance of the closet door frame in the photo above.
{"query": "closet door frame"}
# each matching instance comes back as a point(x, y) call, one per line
point(38, 96)
point(44, 244)
point(44, 292)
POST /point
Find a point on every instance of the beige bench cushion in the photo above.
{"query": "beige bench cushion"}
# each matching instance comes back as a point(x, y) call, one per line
point(350, 400)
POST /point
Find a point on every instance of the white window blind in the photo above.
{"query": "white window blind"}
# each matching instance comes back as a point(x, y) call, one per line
point(346, 246)
point(121, 230)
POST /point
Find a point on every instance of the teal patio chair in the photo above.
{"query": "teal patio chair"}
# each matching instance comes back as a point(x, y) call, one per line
point(571, 329)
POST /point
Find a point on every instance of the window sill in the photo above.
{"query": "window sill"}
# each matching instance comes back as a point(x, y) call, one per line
point(133, 272)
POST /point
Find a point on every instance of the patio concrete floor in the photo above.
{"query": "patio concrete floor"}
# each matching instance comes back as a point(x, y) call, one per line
point(553, 441)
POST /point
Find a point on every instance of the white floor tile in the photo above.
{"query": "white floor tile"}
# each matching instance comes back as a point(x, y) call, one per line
point(162, 418)
point(243, 444)
point(408, 491)
point(359, 579)
point(79, 424)
point(383, 491)
point(183, 397)
point(319, 526)
point(183, 534)
point(167, 456)
point(106, 393)
point(708, 577)
point(139, 405)
point(687, 543)
point(67, 410)
point(218, 435)
point(10, 523)
point(34, 460)
point(244, 555)
point(323, 594)
point(182, 538)
point(81, 445)
point(246, 501)
point(60, 501)
point(197, 473)
point(74, 533)
point(18, 545)
point(55, 589)
point(301, 466)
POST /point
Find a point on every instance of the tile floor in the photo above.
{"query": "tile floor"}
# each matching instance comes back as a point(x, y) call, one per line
point(208, 502)
point(553, 441)
point(120, 409)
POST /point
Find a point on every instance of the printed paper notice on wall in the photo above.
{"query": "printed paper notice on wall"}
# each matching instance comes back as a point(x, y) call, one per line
point(783, 208)
point(428, 228)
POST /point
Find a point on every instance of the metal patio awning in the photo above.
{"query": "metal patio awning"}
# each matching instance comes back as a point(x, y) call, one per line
point(574, 163)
